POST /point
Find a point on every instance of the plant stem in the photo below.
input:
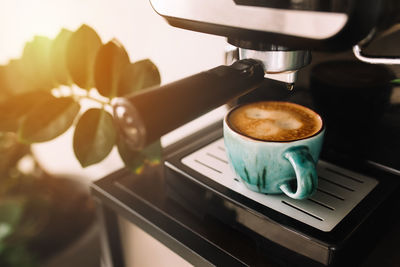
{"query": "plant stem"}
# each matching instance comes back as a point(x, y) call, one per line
point(79, 94)
point(100, 101)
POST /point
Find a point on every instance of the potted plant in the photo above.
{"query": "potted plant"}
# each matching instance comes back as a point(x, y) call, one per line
point(57, 84)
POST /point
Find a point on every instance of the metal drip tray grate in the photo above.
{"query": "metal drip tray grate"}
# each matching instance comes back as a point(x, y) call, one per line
point(339, 190)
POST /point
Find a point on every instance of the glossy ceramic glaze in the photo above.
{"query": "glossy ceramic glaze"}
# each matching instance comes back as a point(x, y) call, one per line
point(270, 167)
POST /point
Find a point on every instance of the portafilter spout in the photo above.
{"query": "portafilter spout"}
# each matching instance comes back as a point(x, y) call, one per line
point(144, 117)
point(279, 63)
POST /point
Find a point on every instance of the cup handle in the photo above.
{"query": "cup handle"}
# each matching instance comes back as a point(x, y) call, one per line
point(306, 175)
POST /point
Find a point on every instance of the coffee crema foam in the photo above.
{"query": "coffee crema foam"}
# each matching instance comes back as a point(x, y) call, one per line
point(275, 121)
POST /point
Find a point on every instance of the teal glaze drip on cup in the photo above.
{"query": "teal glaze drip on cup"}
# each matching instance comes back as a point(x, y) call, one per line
point(272, 167)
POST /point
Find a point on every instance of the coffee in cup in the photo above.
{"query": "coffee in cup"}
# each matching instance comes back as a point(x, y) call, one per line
point(271, 144)
point(275, 121)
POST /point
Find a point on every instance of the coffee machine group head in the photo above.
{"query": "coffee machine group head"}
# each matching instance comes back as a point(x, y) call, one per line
point(274, 39)
point(281, 33)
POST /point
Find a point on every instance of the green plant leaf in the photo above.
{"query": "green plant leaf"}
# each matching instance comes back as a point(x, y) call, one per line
point(14, 79)
point(4, 87)
point(82, 49)
point(94, 136)
point(139, 75)
point(17, 255)
point(10, 214)
point(137, 159)
point(48, 120)
point(58, 60)
point(11, 151)
point(15, 108)
point(395, 81)
point(111, 60)
point(35, 63)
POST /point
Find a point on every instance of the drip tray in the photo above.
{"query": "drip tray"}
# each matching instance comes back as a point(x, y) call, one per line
point(339, 190)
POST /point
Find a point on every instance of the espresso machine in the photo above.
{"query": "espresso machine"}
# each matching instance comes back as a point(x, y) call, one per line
point(273, 43)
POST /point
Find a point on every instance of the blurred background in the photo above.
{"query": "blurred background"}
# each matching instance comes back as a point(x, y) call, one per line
point(177, 53)
point(144, 34)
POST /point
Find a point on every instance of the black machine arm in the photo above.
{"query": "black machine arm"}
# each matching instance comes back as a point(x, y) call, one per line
point(144, 117)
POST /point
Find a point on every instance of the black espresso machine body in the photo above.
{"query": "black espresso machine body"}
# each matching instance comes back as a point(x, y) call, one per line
point(358, 171)
point(355, 204)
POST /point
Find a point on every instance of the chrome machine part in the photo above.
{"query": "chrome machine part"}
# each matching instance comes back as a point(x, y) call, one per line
point(384, 60)
point(129, 123)
point(357, 51)
point(321, 25)
point(279, 60)
point(314, 24)
point(231, 54)
point(299, 26)
point(279, 64)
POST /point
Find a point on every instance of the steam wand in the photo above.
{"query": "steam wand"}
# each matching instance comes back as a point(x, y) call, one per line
point(146, 116)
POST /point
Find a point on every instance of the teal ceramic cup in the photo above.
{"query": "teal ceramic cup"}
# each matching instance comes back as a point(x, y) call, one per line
point(274, 167)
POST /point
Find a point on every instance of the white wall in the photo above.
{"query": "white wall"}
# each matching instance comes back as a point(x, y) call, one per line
point(144, 34)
